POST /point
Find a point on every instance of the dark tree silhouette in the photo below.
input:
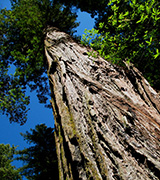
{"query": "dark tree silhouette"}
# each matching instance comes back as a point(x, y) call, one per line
point(40, 159)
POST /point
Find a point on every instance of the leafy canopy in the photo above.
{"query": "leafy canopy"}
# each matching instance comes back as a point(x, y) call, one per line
point(22, 49)
point(7, 170)
point(129, 30)
point(40, 160)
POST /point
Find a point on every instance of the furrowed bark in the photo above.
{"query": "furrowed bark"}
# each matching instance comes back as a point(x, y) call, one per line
point(107, 119)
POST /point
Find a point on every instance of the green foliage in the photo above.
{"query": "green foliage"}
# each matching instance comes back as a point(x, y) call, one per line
point(129, 30)
point(40, 160)
point(7, 171)
point(22, 48)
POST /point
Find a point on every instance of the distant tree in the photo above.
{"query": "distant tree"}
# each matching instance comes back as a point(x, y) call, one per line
point(40, 161)
point(7, 170)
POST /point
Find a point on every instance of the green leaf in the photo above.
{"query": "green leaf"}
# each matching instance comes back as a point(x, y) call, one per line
point(157, 53)
point(134, 2)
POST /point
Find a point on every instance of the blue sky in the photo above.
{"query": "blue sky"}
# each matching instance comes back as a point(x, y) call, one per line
point(10, 133)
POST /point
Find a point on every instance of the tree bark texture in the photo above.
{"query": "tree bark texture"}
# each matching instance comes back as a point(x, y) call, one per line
point(107, 118)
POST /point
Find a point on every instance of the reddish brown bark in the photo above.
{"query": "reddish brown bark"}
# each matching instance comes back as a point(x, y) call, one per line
point(107, 119)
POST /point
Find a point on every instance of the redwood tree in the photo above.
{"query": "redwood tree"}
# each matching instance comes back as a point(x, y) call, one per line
point(107, 118)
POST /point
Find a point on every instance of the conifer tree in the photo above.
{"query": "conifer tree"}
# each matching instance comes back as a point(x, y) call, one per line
point(39, 159)
point(7, 170)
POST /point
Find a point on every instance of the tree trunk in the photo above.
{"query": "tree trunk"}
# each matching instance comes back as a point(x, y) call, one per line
point(107, 118)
